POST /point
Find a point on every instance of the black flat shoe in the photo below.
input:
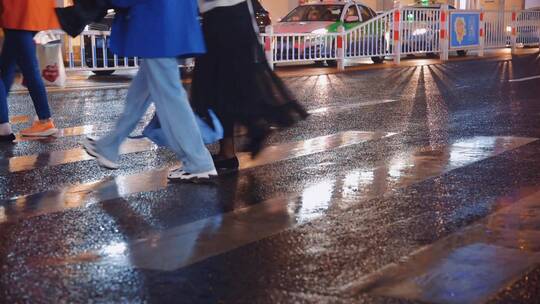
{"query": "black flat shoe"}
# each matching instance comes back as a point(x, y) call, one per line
point(229, 164)
point(7, 138)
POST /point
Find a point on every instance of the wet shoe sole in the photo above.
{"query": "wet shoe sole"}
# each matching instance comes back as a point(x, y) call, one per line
point(227, 171)
point(196, 180)
point(47, 133)
point(88, 145)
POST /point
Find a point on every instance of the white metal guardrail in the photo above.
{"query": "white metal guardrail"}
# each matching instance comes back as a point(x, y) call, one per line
point(498, 29)
point(90, 52)
point(371, 38)
point(391, 34)
point(420, 31)
point(405, 31)
point(528, 28)
point(400, 32)
point(301, 47)
point(511, 27)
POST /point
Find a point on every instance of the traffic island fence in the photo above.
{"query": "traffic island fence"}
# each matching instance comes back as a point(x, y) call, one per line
point(434, 32)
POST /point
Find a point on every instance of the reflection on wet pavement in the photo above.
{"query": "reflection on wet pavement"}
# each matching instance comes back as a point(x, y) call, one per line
point(84, 194)
point(103, 127)
point(311, 146)
point(344, 107)
point(55, 158)
point(181, 246)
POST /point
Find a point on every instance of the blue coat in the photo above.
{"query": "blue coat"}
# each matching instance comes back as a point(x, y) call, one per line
point(156, 28)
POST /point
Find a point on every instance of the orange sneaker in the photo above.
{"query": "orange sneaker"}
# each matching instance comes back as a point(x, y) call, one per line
point(40, 129)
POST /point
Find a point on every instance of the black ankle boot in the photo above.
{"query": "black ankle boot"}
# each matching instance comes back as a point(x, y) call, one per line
point(256, 141)
point(228, 164)
point(7, 138)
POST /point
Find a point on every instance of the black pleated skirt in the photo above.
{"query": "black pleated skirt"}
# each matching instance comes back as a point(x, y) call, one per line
point(234, 79)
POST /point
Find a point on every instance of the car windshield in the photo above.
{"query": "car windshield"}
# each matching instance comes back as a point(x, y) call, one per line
point(315, 13)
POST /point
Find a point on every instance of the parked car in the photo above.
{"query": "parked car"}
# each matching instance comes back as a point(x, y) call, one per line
point(320, 18)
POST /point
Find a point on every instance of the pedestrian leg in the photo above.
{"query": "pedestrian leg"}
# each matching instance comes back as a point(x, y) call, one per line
point(137, 102)
point(4, 111)
point(28, 62)
point(176, 116)
point(8, 60)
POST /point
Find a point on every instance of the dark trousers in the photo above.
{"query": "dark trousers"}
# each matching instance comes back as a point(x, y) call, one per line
point(20, 50)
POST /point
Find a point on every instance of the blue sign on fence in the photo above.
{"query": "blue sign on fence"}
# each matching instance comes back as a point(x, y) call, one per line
point(464, 30)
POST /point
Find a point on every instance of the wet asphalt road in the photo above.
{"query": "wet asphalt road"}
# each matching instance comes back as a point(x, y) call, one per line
point(418, 184)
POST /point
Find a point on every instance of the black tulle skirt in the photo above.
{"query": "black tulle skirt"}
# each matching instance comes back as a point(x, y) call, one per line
point(234, 79)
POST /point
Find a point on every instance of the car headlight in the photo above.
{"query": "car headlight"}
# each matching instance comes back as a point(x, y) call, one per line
point(418, 32)
point(320, 31)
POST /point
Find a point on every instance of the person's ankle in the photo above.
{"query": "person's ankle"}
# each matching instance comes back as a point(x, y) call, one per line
point(5, 129)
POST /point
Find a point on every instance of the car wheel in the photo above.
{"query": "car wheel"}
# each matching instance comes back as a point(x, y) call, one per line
point(462, 53)
point(377, 59)
point(104, 73)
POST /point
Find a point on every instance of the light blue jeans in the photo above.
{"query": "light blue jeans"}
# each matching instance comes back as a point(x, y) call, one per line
point(158, 81)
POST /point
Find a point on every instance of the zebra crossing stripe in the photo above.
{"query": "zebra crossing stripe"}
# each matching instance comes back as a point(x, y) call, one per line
point(524, 79)
point(79, 195)
point(184, 245)
point(56, 158)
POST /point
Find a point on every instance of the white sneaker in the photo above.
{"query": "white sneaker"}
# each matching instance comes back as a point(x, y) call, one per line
point(90, 148)
point(181, 175)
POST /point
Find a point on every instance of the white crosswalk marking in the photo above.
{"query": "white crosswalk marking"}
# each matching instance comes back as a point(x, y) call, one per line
point(524, 79)
point(181, 246)
point(56, 158)
point(79, 195)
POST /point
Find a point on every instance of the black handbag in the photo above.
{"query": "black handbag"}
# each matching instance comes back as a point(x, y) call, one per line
point(75, 18)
